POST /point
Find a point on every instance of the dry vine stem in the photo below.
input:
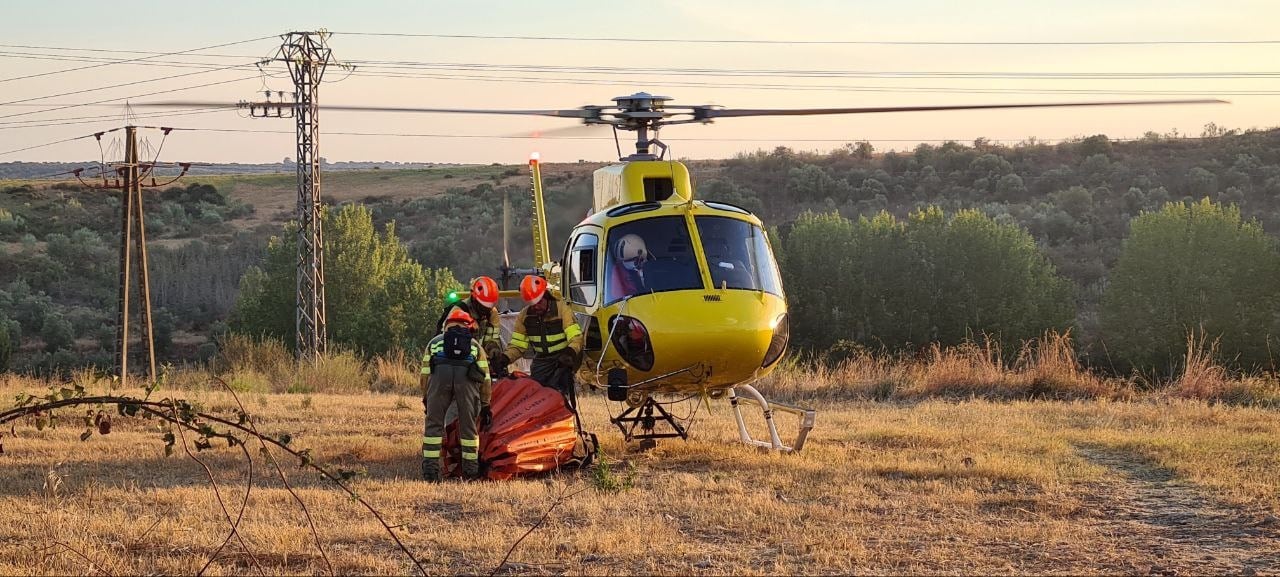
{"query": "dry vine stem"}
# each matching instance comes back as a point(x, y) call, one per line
point(186, 418)
point(280, 472)
point(560, 498)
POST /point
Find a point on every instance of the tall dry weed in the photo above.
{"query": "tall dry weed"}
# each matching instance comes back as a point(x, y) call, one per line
point(858, 374)
point(266, 366)
point(967, 370)
point(1045, 368)
point(395, 372)
point(1203, 378)
point(1048, 368)
point(336, 372)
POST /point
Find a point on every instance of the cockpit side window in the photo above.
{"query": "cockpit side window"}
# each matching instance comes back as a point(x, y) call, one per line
point(581, 264)
point(738, 255)
point(649, 255)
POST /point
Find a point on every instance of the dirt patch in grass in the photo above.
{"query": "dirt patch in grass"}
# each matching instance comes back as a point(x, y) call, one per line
point(1164, 525)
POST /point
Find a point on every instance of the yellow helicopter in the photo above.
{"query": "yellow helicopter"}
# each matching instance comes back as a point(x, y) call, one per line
point(675, 295)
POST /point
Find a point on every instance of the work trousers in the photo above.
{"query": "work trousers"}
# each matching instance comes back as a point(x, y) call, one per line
point(448, 385)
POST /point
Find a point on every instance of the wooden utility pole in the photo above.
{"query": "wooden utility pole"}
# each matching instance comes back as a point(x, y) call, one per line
point(131, 210)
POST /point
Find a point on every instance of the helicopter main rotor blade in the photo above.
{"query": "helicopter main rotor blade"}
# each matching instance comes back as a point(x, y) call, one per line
point(572, 130)
point(565, 113)
point(740, 112)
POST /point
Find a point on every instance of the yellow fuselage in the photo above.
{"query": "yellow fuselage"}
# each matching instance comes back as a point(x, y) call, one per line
point(708, 320)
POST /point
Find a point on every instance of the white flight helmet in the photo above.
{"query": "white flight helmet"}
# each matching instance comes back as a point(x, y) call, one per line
point(630, 249)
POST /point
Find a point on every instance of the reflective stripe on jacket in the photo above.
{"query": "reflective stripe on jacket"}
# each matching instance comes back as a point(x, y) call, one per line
point(547, 334)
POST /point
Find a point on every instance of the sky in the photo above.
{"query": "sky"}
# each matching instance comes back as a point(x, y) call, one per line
point(772, 43)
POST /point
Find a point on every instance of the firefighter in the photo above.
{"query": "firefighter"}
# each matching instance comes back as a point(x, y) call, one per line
point(454, 370)
point(482, 305)
point(547, 326)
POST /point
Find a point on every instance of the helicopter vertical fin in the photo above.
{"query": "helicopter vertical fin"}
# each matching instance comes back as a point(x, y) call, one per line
point(541, 248)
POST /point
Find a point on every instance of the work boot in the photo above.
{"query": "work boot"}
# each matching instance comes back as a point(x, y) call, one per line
point(431, 470)
point(470, 469)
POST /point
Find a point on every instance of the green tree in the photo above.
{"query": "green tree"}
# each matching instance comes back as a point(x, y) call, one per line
point(6, 344)
point(377, 297)
point(816, 263)
point(1190, 267)
point(57, 333)
point(987, 278)
point(883, 282)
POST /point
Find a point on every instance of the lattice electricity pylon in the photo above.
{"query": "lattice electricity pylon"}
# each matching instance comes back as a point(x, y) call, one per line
point(306, 55)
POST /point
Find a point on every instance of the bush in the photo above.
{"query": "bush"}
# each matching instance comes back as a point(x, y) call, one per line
point(882, 282)
point(1193, 267)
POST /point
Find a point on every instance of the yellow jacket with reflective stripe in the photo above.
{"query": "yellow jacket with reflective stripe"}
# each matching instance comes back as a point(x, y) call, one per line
point(548, 334)
point(481, 361)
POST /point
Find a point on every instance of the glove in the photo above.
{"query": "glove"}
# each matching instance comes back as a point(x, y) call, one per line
point(498, 366)
point(486, 418)
point(568, 359)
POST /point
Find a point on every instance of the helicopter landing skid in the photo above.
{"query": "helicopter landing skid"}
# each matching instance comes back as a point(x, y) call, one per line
point(775, 442)
point(646, 416)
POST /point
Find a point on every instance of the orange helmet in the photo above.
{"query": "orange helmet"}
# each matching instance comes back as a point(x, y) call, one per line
point(533, 288)
point(485, 291)
point(459, 316)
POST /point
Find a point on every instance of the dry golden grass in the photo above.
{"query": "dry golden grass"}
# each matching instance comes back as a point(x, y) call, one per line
point(924, 487)
point(266, 366)
point(1202, 378)
point(960, 471)
point(395, 372)
point(1045, 368)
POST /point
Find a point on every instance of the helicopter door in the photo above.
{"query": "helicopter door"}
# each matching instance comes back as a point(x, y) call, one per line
point(581, 264)
point(580, 273)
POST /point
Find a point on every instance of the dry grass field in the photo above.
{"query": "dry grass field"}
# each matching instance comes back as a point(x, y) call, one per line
point(1156, 485)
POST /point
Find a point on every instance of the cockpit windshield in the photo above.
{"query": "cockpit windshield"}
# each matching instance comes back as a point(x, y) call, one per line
point(649, 255)
point(738, 255)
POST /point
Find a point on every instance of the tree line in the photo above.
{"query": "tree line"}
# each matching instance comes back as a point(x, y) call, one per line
point(940, 243)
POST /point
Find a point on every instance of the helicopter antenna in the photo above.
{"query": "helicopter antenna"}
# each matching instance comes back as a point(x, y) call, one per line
point(506, 229)
point(616, 142)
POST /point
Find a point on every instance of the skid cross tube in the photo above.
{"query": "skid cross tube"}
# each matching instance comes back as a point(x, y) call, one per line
point(644, 417)
point(806, 416)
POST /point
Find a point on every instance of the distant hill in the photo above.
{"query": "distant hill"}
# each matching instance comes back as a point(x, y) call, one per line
point(58, 240)
point(54, 170)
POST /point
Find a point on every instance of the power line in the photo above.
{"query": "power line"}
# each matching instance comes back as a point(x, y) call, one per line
point(45, 144)
point(369, 73)
point(117, 51)
point(684, 71)
point(818, 42)
point(79, 58)
point(93, 117)
point(813, 87)
point(811, 73)
point(136, 59)
point(121, 85)
point(111, 118)
point(132, 96)
point(401, 69)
